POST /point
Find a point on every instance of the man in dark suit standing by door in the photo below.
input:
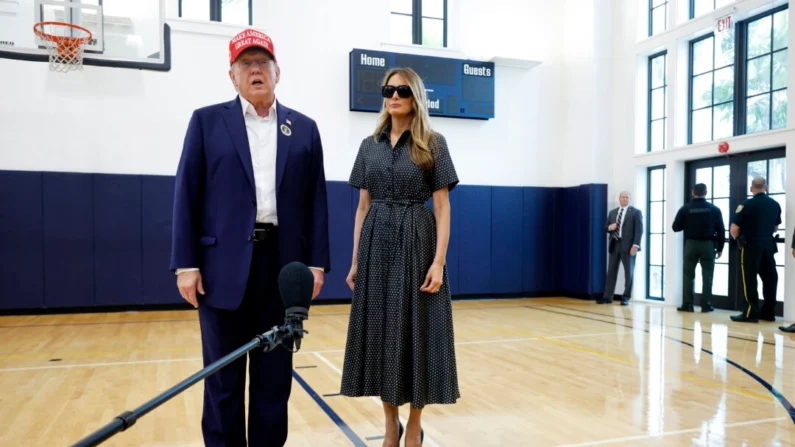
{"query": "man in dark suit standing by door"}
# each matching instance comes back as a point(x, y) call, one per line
point(250, 197)
point(625, 226)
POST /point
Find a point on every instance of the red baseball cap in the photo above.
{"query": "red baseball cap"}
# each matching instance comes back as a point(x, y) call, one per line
point(247, 39)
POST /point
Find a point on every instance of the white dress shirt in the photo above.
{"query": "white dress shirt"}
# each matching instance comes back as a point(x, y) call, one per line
point(623, 212)
point(262, 141)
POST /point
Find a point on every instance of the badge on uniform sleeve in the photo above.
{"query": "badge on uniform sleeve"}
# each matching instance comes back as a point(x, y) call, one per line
point(739, 208)
point(286, 130)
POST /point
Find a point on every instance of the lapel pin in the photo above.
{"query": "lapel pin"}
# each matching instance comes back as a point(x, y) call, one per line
point(288, 122)
point(286, 130)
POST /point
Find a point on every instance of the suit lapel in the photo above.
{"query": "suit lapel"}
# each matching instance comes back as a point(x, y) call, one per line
point(235, 123)
point(285, 128)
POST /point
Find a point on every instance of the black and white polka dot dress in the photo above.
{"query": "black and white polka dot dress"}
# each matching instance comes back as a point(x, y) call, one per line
point(400, 343)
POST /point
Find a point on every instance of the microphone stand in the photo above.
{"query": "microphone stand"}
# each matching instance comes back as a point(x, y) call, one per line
point(269, 340)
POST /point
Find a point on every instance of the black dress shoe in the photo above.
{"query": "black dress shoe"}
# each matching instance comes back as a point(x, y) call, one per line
point(743, 319)
point(685, 308)
point(767, 317)
point(707, 308)
point(790, 328)
point(604, 301)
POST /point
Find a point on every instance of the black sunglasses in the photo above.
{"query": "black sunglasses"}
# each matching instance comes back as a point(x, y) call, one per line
point(404, 91)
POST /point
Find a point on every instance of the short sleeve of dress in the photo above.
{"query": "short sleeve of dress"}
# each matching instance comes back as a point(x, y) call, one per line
point(443, 172)
point(358, 177)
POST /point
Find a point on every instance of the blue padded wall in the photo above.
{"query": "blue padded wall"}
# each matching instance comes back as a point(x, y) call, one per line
point(81, 240)
point(117, 239)
point(21, 244)
point(340, 228)
point(159, 283)
point(68, 210)
point(474, 239)
point(506, 232)
point(541, 254)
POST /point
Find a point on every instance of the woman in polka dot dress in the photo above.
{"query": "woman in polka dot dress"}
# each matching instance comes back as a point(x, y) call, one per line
point(400, 343)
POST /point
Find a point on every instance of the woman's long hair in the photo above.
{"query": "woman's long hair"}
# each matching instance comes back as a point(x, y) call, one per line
point(420, 129)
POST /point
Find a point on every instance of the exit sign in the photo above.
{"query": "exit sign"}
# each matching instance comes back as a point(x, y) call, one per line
point(724, 23)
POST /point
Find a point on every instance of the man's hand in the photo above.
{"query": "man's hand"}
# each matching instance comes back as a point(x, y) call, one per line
point(319, 275)
point(188, 284)
point(717, 255)
point(612, 227)
point(634, 250)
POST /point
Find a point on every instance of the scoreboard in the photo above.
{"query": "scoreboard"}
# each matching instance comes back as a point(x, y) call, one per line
point(455, 88)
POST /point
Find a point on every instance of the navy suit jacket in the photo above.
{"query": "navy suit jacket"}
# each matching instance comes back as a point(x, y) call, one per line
point(215, 202)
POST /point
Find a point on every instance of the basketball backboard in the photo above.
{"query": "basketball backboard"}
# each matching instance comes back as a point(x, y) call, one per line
point(125, 33)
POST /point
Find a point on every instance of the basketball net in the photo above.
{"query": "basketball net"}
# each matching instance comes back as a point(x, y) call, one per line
point(65, 50)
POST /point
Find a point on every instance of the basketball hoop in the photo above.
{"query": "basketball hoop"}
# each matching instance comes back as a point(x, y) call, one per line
point(66, 51)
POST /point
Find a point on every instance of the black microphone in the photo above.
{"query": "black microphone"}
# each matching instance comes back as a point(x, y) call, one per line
point(296, 284)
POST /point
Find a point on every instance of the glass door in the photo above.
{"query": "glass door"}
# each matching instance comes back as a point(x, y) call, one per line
point(774, 170)
point(728, 181)
point(717, 175)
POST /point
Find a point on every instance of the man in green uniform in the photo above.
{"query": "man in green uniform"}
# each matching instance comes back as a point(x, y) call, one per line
point(755, 221)
point(702, 223)
point(790, 328)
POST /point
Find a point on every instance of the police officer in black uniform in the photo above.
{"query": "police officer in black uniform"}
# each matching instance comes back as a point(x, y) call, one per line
point(702, 223)
point(755, 222)
point(790, 328)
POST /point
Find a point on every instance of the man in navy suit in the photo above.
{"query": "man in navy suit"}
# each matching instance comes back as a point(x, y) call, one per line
point(250, 197)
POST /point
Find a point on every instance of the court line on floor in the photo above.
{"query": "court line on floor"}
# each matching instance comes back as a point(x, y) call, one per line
point(355, 439)
point(752, 340)
point(764, 397)
point(426, 440)
point(671, 433)
point(777, 394)
point(324, 351)
point(196, 320)
point(92, 365)
point(198, 348)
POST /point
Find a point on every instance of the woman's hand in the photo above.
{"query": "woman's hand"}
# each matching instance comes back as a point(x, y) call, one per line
point(351, 279)
point(433, 280)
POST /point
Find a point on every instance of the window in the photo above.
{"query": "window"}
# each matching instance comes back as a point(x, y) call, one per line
point(658, 16)
point(699, 7)
point(712, 87)
point(655, 237)
point(766, 72)
point(738, 78)
point(658, 95)
point(419, 22)
point(238, 12)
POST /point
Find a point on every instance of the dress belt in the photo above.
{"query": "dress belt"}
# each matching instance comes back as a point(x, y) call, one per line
point(399, 202)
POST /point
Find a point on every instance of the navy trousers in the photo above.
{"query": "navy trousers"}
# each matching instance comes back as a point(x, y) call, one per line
point(270, 374)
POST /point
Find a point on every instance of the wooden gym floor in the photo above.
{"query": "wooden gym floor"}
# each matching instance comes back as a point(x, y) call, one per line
point(533, 372)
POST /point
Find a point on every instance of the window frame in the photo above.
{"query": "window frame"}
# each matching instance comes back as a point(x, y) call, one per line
point(740, 64)
point(649, 216)
point(416, 21)
point(651, 16)
point(216, 10)
point(650, 89)
point(712, 105)
point(741, 90)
